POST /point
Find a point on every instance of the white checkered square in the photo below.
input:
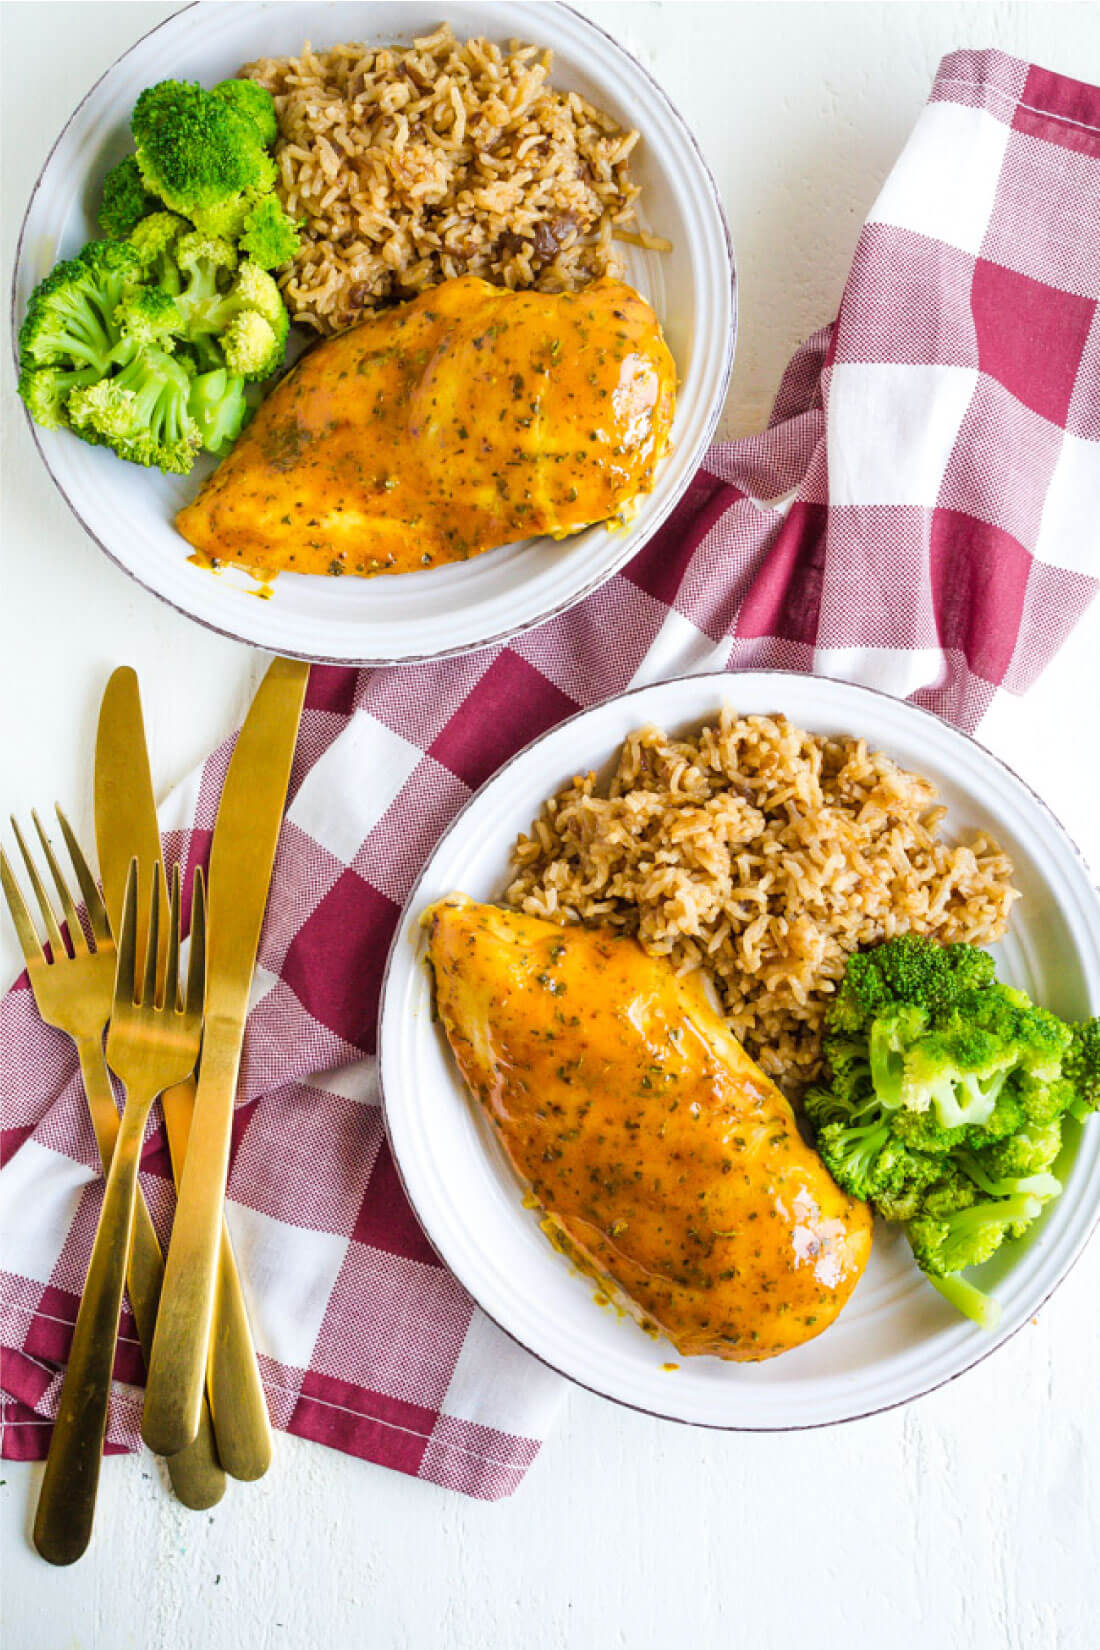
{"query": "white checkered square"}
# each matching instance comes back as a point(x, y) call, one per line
point(497, 1384)
point(287, 1274)
point(40, 1191)
point(1069, 531)
point(945, 181)
point(899, 671)
point(681, 649)
point(345, 795)
point(891, 429)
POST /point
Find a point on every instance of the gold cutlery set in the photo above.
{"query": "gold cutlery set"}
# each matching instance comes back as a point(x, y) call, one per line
point(175, 1028)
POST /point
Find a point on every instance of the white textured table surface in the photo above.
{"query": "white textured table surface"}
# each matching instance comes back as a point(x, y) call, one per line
point(971, 1519)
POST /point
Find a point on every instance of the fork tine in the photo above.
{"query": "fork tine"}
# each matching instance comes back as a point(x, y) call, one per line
point(196, 963)
point(152, 943)
point(20, 916)
point(172, 965)
point(76, 932)
point(127, 941)
point(53, 932)
point(93, 899)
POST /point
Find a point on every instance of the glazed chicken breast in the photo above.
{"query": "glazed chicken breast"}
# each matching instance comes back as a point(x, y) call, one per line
point(471, 417)
point(666, 1164)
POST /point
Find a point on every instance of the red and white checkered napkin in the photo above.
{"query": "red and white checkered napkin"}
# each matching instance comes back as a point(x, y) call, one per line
point(923, 515)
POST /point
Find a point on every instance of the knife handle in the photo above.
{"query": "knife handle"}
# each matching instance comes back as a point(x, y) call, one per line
point(232, 1377)
point(177, 1366)
point(196, 1477)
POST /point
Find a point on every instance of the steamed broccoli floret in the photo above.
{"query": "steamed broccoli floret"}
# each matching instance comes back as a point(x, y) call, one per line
point(150, 315)
point(248, 322)
point(46, 390)
point(908, 969)
point(269, 237)
point(155, 240)
point(218, 406)
point(70, 320)
point(893, 1030)
point(943, 1245)
point(125, 200)
point(142, 411)
point(851, 1152)
point(200, 151)
point(254, 101)
point(1081, 1068)
point(1032, 1150)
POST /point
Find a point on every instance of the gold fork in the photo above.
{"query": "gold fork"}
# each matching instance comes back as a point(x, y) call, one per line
point(152, 1043)
point(73, 993)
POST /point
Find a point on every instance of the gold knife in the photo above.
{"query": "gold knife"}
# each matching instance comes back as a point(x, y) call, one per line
point(241, 857)
point(126, 827)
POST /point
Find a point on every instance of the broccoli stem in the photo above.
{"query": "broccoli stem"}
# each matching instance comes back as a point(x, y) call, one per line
point(980, 1308)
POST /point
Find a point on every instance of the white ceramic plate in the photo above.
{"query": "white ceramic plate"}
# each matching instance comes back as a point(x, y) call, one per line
point(896, 1338)
point(130, 511)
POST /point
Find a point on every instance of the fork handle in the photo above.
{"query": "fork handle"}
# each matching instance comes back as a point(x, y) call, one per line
point(196, 1476)
point(66, 1502)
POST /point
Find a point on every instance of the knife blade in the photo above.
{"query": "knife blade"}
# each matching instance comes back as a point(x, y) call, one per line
point(242, 854)
point(195, 1473)
point(126, 826)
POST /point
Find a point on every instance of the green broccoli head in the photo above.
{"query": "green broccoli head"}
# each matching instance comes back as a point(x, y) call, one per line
point(893, 1031)
point(150, 315)
point(70, 320)
point(970, 1236)
point(901, 1179)
point(142, 411)
point(251, 346)
point(125, 200)
point(851, 1151)
point(198, 150)
point(1032, 1150)
point(247, 322)
point(45, 392)
point(1081, 1067)
point(255, 102)
point(155, 240)
point(218, 406)
point(906, 969)
point(269, 237)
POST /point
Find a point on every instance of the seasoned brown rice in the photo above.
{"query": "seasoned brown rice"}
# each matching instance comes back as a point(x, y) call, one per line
point(767, 854)
point(410, 166)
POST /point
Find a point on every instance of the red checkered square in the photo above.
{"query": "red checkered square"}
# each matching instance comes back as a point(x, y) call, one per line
point(1062, 246)
point(305, 872)
point(786, 594)
point(908, 300)
point(593, 651)
point(408, 1346)
point(979, 578)
point(394, 853)
point(442, 687)
point(1002, 462)
point(337, 958)
point(1030, 336)
point(385, 1220)
point(307, 1157)
point(1056, 597)
point(872, 600)
point(1083, 416)
point(511, 704)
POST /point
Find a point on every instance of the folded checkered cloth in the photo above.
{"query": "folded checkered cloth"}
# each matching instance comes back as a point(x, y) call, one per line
point(922, 514)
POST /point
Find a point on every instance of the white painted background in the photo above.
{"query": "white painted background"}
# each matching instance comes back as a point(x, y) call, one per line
point(970, 1521)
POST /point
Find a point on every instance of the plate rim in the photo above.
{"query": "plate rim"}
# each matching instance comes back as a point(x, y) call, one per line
point(400, 938)
point(499, 638)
